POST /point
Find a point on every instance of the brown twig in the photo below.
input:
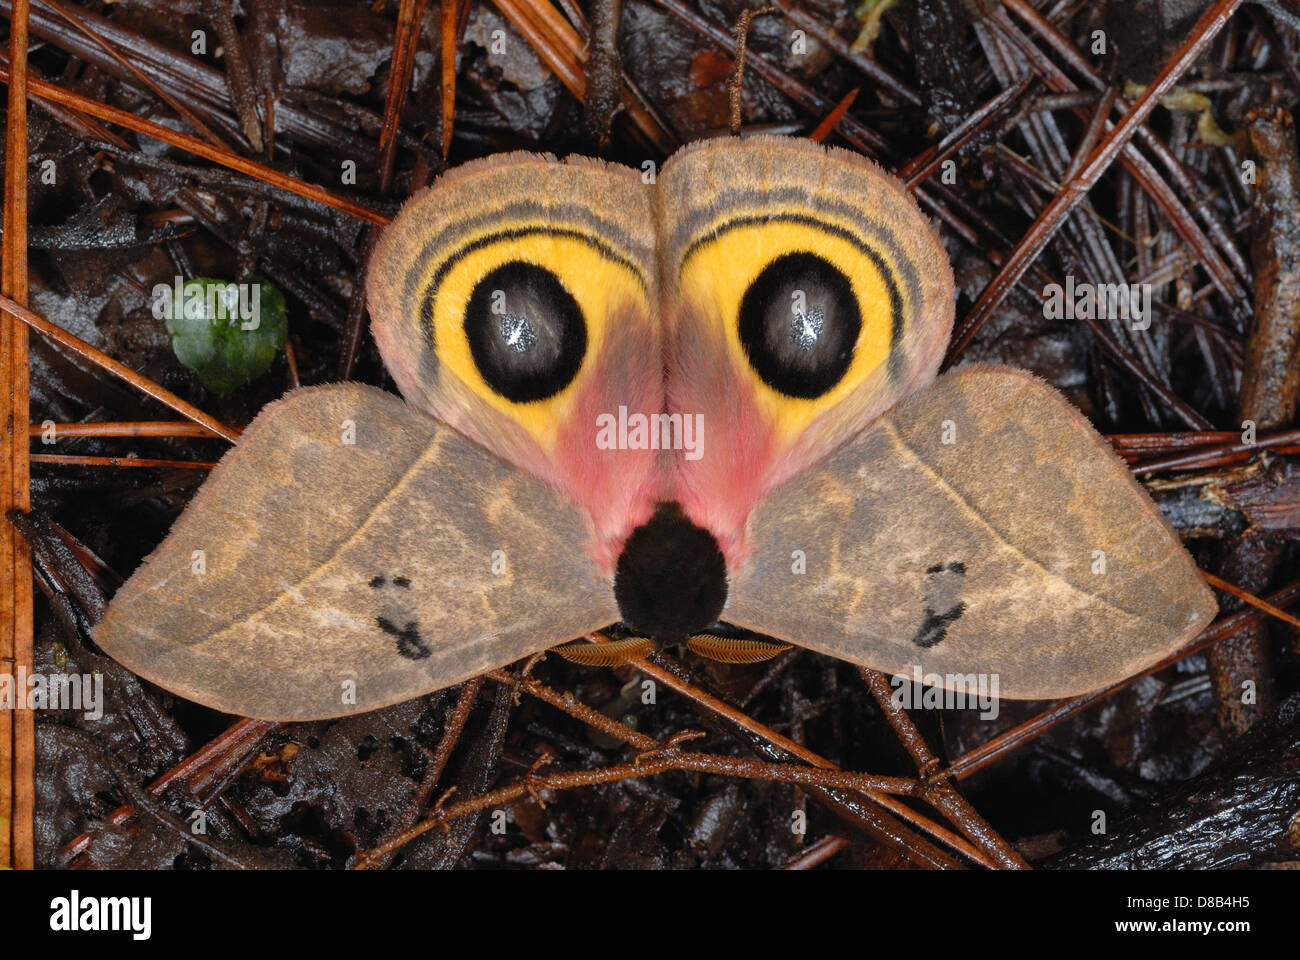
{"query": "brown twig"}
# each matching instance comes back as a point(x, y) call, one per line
point(936, 789)
point(17, 730)
point(670, 760)
point(1247, 597)
point(85, 126)
point(919, 168)
point(560, 45)
point(212, 762)
point(1213, 456)
point(555, 41)
point(215, 763)
point(451, 734)
point(449, 32)
point(198, 147)
point(410, 18)
point(101, 359)
point(874, 71)
point(1270, 382)
point(787, 747)
point(604, 68)
point(74, 460)
point(976, 759)
point(181, 109)
point(817, 854)
point(875, 826)
point(1270, 393)
point(854, 131)
point(1206, 252)
point(832, 119)
point(1054, 214)
point(736, 85)
point(239, 79)
point(147, 428)
point(355, 326)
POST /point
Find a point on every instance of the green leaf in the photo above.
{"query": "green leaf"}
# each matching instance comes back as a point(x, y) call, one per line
point(227, 333)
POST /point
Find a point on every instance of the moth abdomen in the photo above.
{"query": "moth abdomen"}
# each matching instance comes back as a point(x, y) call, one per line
point(671, 578)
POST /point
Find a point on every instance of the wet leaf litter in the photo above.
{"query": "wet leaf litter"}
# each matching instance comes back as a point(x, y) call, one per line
point(273, 788)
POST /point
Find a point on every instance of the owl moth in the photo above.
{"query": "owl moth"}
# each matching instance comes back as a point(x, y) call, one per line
point(791, 301)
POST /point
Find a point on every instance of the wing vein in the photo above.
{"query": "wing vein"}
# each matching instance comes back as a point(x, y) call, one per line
point(404, 481)
point(998, 534)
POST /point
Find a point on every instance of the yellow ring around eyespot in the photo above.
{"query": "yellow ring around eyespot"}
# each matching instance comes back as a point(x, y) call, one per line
point(718, 273)
point(598, 284)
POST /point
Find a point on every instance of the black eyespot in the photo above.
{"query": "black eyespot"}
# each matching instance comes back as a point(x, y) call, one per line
point(799, 323)
point(525, 331)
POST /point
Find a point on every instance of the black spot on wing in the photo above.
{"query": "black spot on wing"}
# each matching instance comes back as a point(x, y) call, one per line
point(943, 605)
point(409, 642)
point(956, 567)
point(934, 627)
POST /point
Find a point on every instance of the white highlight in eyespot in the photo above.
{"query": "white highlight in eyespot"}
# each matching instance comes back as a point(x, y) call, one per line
point(806, 328)
point(517, 332)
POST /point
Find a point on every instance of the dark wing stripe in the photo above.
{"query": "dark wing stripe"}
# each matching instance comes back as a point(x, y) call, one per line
point(601, 235)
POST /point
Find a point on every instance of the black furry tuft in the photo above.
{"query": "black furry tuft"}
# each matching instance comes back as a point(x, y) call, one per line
point(671, 579)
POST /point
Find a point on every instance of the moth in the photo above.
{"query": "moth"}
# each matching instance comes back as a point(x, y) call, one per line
point(707, 398)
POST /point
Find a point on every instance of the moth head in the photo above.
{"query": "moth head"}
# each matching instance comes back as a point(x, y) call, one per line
point(514, 300)
point(805, 295)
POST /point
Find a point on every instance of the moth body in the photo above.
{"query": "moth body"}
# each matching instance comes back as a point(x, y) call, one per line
point(671, 578)
point(555, 328)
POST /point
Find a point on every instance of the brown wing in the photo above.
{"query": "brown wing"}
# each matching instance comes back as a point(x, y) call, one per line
point(980, 527)
point(351, 553)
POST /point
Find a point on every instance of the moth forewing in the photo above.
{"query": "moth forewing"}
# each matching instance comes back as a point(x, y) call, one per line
point(515, 300)
point(356, 553)
point(959, 534)
point(804, 294)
